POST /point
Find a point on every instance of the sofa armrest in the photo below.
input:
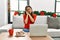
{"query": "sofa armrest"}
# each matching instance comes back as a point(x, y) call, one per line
point(54, 32)
point(5, 27)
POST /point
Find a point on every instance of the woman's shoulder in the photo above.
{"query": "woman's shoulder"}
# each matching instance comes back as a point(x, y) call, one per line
point(23, 13)
point(34, 15)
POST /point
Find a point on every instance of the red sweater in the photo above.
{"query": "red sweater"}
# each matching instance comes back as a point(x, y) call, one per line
point(27, 26)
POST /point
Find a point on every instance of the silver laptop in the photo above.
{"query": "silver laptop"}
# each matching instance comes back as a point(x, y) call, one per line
point(41, 20)
point(38, 29)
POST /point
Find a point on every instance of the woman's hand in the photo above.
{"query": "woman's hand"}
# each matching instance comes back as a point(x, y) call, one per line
point(27, 13)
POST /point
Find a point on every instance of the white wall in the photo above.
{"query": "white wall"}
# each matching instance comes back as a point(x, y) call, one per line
point(47, 5)
point(3, 12)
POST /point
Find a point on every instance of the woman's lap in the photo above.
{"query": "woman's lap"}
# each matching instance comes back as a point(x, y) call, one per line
point(26, 30)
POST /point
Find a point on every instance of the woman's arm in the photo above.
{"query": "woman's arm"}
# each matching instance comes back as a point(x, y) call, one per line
point(26, 20)
point(31, 18)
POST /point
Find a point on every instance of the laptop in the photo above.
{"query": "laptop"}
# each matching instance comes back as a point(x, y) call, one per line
point(38, 29)
point(41, 20)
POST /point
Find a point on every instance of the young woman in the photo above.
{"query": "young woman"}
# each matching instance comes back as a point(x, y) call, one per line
point(29, 18)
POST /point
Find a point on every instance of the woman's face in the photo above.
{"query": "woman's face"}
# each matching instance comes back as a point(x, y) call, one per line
point(29, 9)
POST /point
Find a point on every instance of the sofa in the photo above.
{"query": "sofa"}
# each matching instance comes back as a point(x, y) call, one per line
point(53, 26)
point(18, 24)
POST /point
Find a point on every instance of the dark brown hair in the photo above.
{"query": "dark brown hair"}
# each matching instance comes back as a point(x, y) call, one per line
point(26, 10)
point(27, 7)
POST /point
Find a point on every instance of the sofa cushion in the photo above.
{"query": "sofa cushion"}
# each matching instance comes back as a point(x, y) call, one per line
point(52, 22)
point(18, 22)
point(59, 21)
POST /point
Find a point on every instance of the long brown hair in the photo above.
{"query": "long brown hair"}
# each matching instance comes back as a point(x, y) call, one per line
point(26, 10)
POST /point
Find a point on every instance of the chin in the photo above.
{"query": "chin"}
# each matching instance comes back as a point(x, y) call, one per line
point(30, 12)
